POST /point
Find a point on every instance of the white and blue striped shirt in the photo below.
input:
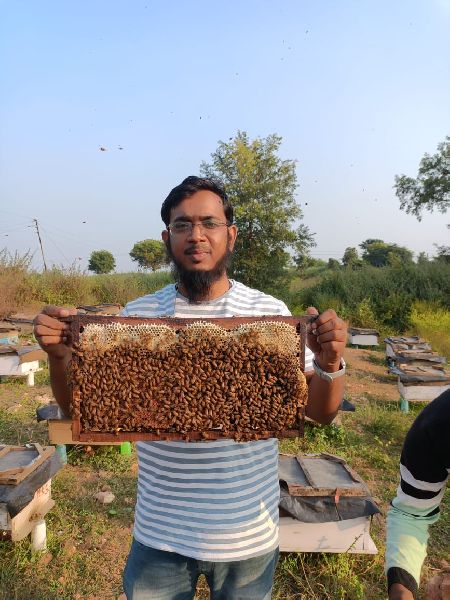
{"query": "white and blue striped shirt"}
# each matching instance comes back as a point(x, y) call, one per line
point(218, 500)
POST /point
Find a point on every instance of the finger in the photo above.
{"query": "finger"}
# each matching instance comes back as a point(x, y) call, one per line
point(336, 335)
point(311, 327)
point(332, 324)
point(57, 311)
point(40, 330)
point(327, 315)
point(51, 340)
point(50, 322)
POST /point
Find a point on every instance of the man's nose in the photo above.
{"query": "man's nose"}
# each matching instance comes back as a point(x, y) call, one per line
point(196, 232)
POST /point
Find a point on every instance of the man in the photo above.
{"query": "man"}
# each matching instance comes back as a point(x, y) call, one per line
point(424, 468)
point(207, 507)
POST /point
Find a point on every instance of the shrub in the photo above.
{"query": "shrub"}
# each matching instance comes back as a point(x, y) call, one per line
point(432, 323)
point(14, 291)
point(61, 286)
point(123, 287)
point(380, 297)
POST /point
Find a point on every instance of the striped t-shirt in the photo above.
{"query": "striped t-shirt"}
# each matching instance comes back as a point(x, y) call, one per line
point(218, 500)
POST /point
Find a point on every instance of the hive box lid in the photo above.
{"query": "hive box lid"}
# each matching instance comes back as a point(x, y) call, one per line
point(25, 353)
point(17, 462)
point(319, 475)
point(361, 331)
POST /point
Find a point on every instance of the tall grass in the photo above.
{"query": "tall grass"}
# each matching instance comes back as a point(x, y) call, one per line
point(378, 297)
point(13, 280)
point(123, 287)
point(432, 323)
point(21, 287)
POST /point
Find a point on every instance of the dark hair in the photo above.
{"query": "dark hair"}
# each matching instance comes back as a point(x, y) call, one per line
point(188, 187)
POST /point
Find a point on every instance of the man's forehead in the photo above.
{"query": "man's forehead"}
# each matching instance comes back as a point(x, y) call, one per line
point(202, 203)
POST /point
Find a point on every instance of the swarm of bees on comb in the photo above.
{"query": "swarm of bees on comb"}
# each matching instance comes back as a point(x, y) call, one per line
point(244, 383)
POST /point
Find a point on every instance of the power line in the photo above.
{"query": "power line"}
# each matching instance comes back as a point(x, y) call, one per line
point(40, 242)
point(56, 246)
point(14, 228)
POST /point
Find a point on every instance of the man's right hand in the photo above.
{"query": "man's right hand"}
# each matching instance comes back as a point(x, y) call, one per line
point(53, 336)
point(397, 591)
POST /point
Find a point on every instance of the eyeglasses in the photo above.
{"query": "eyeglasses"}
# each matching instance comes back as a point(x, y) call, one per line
point(187, 227)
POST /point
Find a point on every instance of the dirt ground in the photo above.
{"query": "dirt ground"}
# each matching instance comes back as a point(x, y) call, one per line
point(81, 528)
point(367, 373)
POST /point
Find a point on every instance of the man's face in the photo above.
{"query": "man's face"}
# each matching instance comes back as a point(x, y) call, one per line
point(200, 249)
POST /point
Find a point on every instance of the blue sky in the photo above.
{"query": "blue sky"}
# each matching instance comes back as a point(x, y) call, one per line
point(358, 90)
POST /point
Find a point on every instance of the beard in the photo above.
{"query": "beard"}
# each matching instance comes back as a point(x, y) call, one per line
point(197, 284)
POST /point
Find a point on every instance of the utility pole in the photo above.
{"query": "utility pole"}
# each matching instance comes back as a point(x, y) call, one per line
point(40, 242)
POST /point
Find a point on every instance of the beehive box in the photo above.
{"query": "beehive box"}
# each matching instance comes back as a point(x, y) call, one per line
point(187, 379)
point(420, 384)
point(362, 337)
point(25, 488)
point(396, 344)
point(324, 506)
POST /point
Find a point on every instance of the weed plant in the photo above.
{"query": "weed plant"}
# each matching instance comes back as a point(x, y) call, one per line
point(432, 322)
point(382, 298)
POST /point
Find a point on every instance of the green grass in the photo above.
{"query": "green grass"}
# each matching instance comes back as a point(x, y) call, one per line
point(89, 542)
point(432, 323)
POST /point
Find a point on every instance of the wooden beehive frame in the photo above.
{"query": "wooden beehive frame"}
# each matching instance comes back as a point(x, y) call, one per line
point(78, 322)
point(314, 489)
point(15, 475)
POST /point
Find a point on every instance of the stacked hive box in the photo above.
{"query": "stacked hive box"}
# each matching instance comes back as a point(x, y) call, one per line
point(420, 371)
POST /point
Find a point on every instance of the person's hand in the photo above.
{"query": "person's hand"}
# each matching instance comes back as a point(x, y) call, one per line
point(53, 336)
point(397, 591)
point(327, 337)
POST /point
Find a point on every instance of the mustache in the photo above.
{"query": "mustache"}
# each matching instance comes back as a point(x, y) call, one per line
point(193, 249)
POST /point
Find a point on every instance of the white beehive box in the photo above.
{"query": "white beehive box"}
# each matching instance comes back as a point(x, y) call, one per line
point(18, 527)
point(419, 383)
point(362, 337)
point(16, 361)
point(326, 482)
point(351, 535)
point(421, 392)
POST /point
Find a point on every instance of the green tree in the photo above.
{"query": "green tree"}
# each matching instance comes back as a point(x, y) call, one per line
point(351, 258)
point(101, 261)
point(304, 241)
point(422, 258)
point(149, 254)
point(431, 188)
point(443, 253)
point(334, 264)
point(380, 254)
point(261, 187)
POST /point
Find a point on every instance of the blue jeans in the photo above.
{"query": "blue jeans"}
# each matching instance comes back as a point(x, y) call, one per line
point(158, 575)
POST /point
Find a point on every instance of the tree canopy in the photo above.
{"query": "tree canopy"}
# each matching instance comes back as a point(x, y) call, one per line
point(101, 261)
point(430, 190)
point(351, 258)
point(380, 254)
point(261, 187)
point(149, 254)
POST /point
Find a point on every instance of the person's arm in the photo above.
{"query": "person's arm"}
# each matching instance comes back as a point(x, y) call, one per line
point(406, 546)
point(54, 338)
point(397, 591)
point(327, 338)
point(423, 469)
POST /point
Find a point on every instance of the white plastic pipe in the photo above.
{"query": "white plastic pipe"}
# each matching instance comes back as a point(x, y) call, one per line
point(39, 536)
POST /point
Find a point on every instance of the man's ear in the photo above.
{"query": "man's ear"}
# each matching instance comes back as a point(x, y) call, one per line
point(232, 235)
point(165, 236)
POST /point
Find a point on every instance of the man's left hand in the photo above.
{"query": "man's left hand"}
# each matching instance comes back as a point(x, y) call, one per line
point(327, 337)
